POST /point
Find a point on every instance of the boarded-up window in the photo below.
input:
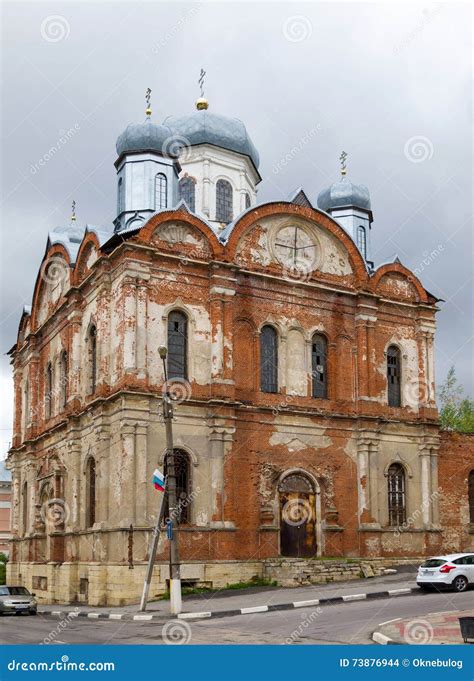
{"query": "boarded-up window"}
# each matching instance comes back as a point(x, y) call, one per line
point(177, 345)
point(319, 366)
point(90, 492)
point(223, 201)
point(187, 192)
point(64, 378)
point(471, 496)
point(92, 341)
point(269, 360)
point(396, 495)
point(48, 390)
point(183, 500)
point(393, 376)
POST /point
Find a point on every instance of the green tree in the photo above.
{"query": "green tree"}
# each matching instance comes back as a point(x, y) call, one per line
point(457, 412)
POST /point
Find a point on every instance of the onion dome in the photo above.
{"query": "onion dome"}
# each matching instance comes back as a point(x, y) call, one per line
point(344, 193)
point(147, 136)
point(205, 127)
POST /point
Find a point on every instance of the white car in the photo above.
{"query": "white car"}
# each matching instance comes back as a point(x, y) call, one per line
point(455, 570)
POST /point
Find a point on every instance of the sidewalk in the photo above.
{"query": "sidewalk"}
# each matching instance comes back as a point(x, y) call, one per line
point(263, 598)
point(435, 628)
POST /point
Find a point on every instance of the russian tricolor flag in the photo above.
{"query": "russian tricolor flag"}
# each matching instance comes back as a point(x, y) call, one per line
point(158, 480)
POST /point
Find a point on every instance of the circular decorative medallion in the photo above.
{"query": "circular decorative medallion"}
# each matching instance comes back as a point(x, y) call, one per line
point(295, 248)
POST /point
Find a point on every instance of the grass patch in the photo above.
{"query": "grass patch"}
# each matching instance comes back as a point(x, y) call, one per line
point(197, 591)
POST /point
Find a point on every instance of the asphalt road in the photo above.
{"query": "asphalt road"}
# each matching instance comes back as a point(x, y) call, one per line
point(346, 623)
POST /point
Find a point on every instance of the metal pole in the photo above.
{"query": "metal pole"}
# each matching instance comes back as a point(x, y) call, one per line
point(175, 576)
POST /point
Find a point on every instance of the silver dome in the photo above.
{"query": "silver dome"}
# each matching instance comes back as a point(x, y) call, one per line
point(344, 193)
point(146, 136)
point(204, 127)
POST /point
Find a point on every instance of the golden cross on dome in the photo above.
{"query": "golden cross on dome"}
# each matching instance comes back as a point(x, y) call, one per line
point(147, 100)
point(73, 213)
point(201, 81)
point(342, 159)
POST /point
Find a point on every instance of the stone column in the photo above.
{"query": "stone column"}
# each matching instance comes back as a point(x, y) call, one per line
point(220, 437)
point(206, 182)
point(374, 482)
point(75, 475)
point(435, 491)
point(141, 328)
point(425, 478)
point(371, 388)
point(217, 336)
point(103, 483)
point(16, 505)
point(363, 480)
point(74, 369)
point(362, 359)
point(125, 513)
point(129, 307)
point(141, 473)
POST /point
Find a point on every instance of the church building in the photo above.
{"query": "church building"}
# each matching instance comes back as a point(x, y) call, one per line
point(302, 371)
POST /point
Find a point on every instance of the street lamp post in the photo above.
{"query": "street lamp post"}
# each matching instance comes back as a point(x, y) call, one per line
point(175, 573)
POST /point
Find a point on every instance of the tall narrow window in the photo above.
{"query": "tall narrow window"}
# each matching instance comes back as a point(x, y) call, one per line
point(247, 200)
point(187, 192)
point(26, 405)
point(48, 391)
point(319, 366)
point(24, 509)
point(396, 495)
point(120, 196)
point(92, 351)
point(181, 471)
point(471, 496)
point(268, 360)
point(161, 185)
point(177, 345)
point(393, 376)
point(90, 492)
point(64, 378)
point(223, 201)
point(362, 240)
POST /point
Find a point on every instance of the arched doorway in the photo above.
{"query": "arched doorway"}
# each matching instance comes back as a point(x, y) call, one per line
point(297, 517)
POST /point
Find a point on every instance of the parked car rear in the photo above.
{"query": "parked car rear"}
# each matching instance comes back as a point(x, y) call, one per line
point(454, 571)
point(17, 600)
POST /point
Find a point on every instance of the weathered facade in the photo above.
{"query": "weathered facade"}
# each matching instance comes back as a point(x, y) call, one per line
point(305, 414)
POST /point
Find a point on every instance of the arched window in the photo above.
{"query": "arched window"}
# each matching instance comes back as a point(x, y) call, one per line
point(120, 196)
point(90, 492)
point(161, 184)
point(24, 507)
point(224, 201)
point(268, 360)
point(92, 352)
point(471, 496)
point(247, 200)
point(48, 391)
point(183, 487)
point(177, 345)
point(396, 495)
point(64, 378)
point(393, 376)
point(319, 366)
point(362, 240)
point(187, 191)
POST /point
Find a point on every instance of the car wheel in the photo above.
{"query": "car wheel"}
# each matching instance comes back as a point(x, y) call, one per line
point(460, 583)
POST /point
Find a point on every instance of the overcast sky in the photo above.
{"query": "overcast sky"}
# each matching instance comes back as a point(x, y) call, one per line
point(388, 83)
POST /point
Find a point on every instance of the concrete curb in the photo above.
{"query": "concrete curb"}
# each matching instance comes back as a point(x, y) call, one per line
point(336, 600)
